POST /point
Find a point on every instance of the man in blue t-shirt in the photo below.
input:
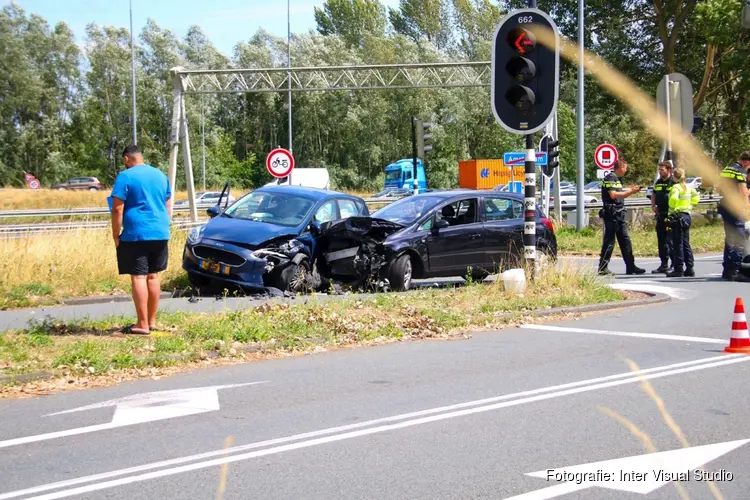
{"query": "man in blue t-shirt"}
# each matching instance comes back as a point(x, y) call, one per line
point(141, 207)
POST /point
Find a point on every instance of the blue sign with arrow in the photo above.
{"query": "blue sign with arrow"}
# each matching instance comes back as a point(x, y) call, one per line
point(519, 159)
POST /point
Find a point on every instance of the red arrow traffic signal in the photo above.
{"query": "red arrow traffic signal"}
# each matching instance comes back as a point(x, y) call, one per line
point(523, 41)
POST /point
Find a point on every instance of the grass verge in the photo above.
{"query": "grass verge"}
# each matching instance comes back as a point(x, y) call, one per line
point(703, 239)
point(86, 354)
point(43, 269)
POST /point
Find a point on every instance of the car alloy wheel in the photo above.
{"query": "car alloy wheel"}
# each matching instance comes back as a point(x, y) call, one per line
point(298, 280)
point(407, 274)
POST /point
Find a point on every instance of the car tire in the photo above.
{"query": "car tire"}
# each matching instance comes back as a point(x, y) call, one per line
point(400, 273)
point(294, 277)
point(93, 189)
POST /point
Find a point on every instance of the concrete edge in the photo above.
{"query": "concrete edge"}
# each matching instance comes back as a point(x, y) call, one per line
point(654, 298)
point(82, 301)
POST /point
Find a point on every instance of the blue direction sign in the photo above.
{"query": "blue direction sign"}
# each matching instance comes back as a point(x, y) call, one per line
point(513, 159)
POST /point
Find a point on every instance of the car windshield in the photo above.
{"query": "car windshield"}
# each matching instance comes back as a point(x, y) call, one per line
point(273, 208)
point(393, 175)
point(407, 210)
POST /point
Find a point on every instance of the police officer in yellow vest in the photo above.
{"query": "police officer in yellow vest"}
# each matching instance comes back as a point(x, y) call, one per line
point(734, 227)
point(660, 207)
point(681, 201)
point(615, 227)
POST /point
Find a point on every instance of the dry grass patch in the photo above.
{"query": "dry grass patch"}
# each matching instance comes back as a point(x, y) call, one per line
point(71, 352)
point(42, 269)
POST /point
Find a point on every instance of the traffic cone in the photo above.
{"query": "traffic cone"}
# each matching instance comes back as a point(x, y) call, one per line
point(740, 340)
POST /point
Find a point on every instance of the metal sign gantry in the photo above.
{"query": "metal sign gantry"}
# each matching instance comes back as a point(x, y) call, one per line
point(306, 79)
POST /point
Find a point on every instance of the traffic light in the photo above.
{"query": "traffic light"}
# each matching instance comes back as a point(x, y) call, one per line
point(423, 138)
point(698, 124)
point(550, 147)
point(525, 74)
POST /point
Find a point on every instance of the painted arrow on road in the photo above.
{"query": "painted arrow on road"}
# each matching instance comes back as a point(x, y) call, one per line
point(141, 408)
point(634, 474)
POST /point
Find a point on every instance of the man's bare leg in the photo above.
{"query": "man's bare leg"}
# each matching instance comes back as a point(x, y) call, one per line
point(140, 299)
point(154, 290)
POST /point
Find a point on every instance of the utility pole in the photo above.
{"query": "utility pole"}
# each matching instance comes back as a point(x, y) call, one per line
point(289, 74)
point(132, 75)
point(203, 144)
point(580, 130)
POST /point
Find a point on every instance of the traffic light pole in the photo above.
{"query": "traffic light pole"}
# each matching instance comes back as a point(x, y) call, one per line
point(529, 227)
point(414, 152)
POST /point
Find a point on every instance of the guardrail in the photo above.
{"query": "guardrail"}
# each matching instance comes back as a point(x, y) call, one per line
point(69, 212)
point(634, 203)
point(18, 230)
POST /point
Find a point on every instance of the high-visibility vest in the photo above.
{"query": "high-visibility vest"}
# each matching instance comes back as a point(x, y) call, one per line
point(682, 199)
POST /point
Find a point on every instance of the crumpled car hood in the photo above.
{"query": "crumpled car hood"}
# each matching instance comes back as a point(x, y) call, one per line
point(245, 232)
point(358, 228)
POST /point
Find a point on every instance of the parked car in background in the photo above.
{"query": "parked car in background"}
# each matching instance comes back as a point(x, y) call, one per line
point(79, 183)
point(394, 193)
point(694, 182)
point(207, 197)
point(593, 187)
point(570, 197)
point(265, 238)
point(439, 234)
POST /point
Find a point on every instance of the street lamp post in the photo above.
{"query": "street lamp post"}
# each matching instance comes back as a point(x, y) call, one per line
point(580, 164)
point(132, 75)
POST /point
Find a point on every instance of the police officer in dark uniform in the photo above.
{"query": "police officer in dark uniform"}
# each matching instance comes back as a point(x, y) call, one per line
point(734, 226)
point(613, 213)
point(660, 206)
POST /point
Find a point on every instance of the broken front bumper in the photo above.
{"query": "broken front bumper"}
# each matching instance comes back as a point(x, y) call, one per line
point(224, 262)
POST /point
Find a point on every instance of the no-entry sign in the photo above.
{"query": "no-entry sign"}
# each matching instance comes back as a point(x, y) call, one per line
point(605, 156)
point(280, 163)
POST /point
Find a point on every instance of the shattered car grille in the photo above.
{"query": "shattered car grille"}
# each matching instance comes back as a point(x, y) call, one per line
point(218, 255)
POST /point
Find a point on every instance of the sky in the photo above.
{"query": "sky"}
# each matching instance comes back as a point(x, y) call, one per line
point(225, 22)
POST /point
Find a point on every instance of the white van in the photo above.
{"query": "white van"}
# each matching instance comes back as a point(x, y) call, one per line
point(307, 177)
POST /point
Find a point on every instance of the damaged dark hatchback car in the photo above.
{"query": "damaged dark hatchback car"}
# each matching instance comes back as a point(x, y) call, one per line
point(437, 234)
point(265, 239)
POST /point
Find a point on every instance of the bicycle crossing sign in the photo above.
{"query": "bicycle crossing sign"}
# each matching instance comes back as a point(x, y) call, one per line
point(280, 163)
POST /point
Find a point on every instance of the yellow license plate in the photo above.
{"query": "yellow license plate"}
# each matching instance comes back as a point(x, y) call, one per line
point(211, 266)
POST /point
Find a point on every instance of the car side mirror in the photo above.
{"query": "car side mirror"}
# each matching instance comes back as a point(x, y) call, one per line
point(440, 224)
point(213, 211)
point(315, 228)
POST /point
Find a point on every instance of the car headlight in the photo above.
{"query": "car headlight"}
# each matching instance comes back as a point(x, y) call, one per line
point(195, 234)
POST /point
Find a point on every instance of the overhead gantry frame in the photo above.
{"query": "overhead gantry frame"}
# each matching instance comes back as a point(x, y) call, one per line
point(306, 79)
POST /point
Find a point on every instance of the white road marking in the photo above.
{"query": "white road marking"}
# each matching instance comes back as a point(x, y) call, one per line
point(635, 474)
point(141, 408)
point(632, 377)
point(677, 293)
point(686, 338)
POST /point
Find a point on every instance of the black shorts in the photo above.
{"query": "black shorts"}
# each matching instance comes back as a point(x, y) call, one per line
point(139, 258)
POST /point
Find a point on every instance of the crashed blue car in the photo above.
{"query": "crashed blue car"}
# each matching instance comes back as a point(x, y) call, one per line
point(264, 239)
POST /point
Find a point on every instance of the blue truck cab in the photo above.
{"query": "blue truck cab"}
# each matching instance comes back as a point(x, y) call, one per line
point(400, 175)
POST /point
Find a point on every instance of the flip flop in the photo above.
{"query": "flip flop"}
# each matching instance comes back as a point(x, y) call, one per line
point(135, 331)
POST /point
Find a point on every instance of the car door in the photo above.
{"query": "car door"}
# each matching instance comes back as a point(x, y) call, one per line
point(503, 230)
point(460, 245)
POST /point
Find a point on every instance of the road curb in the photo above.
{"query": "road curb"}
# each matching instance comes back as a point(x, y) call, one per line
point(654, 298)
point(82, 301)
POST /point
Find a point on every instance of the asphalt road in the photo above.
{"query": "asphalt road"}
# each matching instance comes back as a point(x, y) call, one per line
point(466, 419)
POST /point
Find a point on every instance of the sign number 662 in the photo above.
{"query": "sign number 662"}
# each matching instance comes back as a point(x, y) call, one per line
point(525, 19)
